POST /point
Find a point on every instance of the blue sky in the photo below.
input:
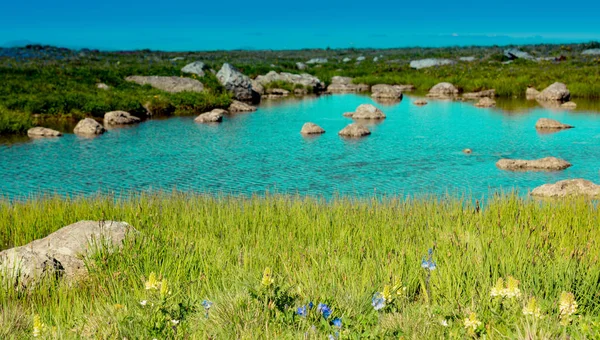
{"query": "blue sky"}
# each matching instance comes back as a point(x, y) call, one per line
point(269, 24)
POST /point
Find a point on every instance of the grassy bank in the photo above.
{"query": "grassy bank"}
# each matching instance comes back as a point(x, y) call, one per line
point(342, 253)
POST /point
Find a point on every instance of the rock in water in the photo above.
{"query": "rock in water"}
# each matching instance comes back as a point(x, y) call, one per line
point(344, 85)
point(486, 102)
point(354, 130)
point(61, 253)
point(443, 90)
point(555, 92)
point(119, 118)
point(384, 91)
point(168, 84)
point(197, 68)
point(481, 94)
point(305, 80)
point(88, 127)
point(237, 106)
point(569, 187)
point(39, 131)
point(547, 164)
point(235, 82)
point(531, 93)
point(551, 124)
point(311, 129)
point(468, 151)
point(569, 106)
point(420, 102)
point(368, 111)
point(431, 62)
point(213, 116)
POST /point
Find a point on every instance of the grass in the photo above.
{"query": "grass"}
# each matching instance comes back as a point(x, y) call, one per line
point(339, 252)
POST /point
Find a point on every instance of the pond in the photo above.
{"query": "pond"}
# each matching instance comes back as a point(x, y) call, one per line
point(415, 151)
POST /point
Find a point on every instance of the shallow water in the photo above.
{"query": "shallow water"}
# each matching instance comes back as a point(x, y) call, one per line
point(416, 150)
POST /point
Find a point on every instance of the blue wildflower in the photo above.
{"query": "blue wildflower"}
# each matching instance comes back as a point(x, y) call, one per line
point(324, 310)
point(311, 305)
point(331, 337)
point(430, 251)
point(207, 304)
point(301, 311)
point(424, 264)
point(432, 265)
point(337, 322)
point(378, 301)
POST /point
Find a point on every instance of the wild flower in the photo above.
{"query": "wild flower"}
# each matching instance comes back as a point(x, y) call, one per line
point(471, 322)
point(38, 326)
point(143, 302)
point(498, 289)
point(532, 308)
point(337, 322)
point(152, 282)
point(311, 305)
point(301, 311)
point(387, 294)
point(512, 288)
point(164, 288)
point(567, 307)
point(378, 301)
point(444, 323)
point(206, 304)
point(429, 264)
point(175, 322)
point(324, 310)
point(267, 279)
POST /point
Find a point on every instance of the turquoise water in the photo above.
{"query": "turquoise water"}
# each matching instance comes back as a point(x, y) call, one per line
point(416, 150)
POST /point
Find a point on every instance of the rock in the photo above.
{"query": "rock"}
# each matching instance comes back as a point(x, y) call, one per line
point(375, 59)
point(345, 60)
point(169, 84)
point(467, 59)
point(304, 79)
point(119, 118)
point(102, 86)
point(531, 93)
point(420, 102)
point(344, 85)
point(513, 54)
point(258, 87)
point(317, 61)
point(301, 66)
point(39, 131)
point(569, 105)
point(431, 62)
point(385, 91)
point(88, 127)
point(368, 111)
point(197, 67)
point(551, 124)
point(341, 80)
point(481, 94)
point(486, 102)
point(404, 88)
point(593, 51)
point(569, 187)
point(277, 93)
point(443, 90)
point(348, 114)
point(237, 106)
point(177, 58)
point(300, 92)
point(235, 82)
point(311, 129)
point(548, 164)
point(555, 92)
point(213, 116)
point(61, 254)
point(468, 151)
point(354, 130)
point(361, 58)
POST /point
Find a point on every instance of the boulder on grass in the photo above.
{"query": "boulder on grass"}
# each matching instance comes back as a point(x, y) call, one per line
point(543, 164)
point(311, 129)
point(197, 68)
point(569, 187)
point(120, 118)
point(551, 124)
point(213, 116)
point(88, 127)
point(39, 131)
point(235, 82)
point(354, 130)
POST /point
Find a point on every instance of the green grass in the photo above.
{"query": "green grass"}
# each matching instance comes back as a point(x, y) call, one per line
point(14, 122)
point(339, 252)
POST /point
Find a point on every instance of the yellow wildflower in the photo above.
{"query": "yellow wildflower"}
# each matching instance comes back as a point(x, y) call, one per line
point(387, 294)
point(512, 288)
point(267, 278)
point(164, 288)
point(498, 288)
point(532, 308)
point(38, 326)
point(568, 306)
point(152, 282)
point(118, 306)
point(471, 322)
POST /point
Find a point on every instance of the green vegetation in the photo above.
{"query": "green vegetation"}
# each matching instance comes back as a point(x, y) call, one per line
point(343, 253)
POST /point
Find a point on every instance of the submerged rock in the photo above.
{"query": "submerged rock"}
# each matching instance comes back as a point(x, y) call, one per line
point(119, 118)
point(443, 90)
point(430, 62)
point(420, 102)
point(354, 130)
point(368, 111)
point(169, 84)
point(213, 116)
point(39, 131)
point(311, 129)
point(88, 127)
point(62, 253)
point(569, 106)
point(467, 151)
point(384, 91)
point(556, 92)
point(486, 102)
point(547, 163)
point(569, 187)
point(235, 82)
point(237, 106)
point(551, 124)
point(197, 68)
point(481, 94)
point(277, 93)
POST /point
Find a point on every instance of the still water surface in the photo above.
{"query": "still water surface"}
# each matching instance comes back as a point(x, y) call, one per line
point(416, 150)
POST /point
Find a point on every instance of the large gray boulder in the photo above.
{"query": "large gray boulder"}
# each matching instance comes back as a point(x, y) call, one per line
point(235, 82)
point(384, 91)
point(197, 68)
point(593, 51)
point(556, 92)
point(168, 84)
point(62, 253)
point(311, 129)
point(368, 111)
point(354, 130)
point(544, 164)
point(443, 90)
point(120, 118)
point(569, 187)
point(430, 62)
point(88, 127)
point(38, 132)
point(513, 54)
point(551, 124)
point(304, 79)
point(213, 116)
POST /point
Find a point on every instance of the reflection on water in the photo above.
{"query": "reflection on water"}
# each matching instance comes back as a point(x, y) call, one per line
point(416, 150)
